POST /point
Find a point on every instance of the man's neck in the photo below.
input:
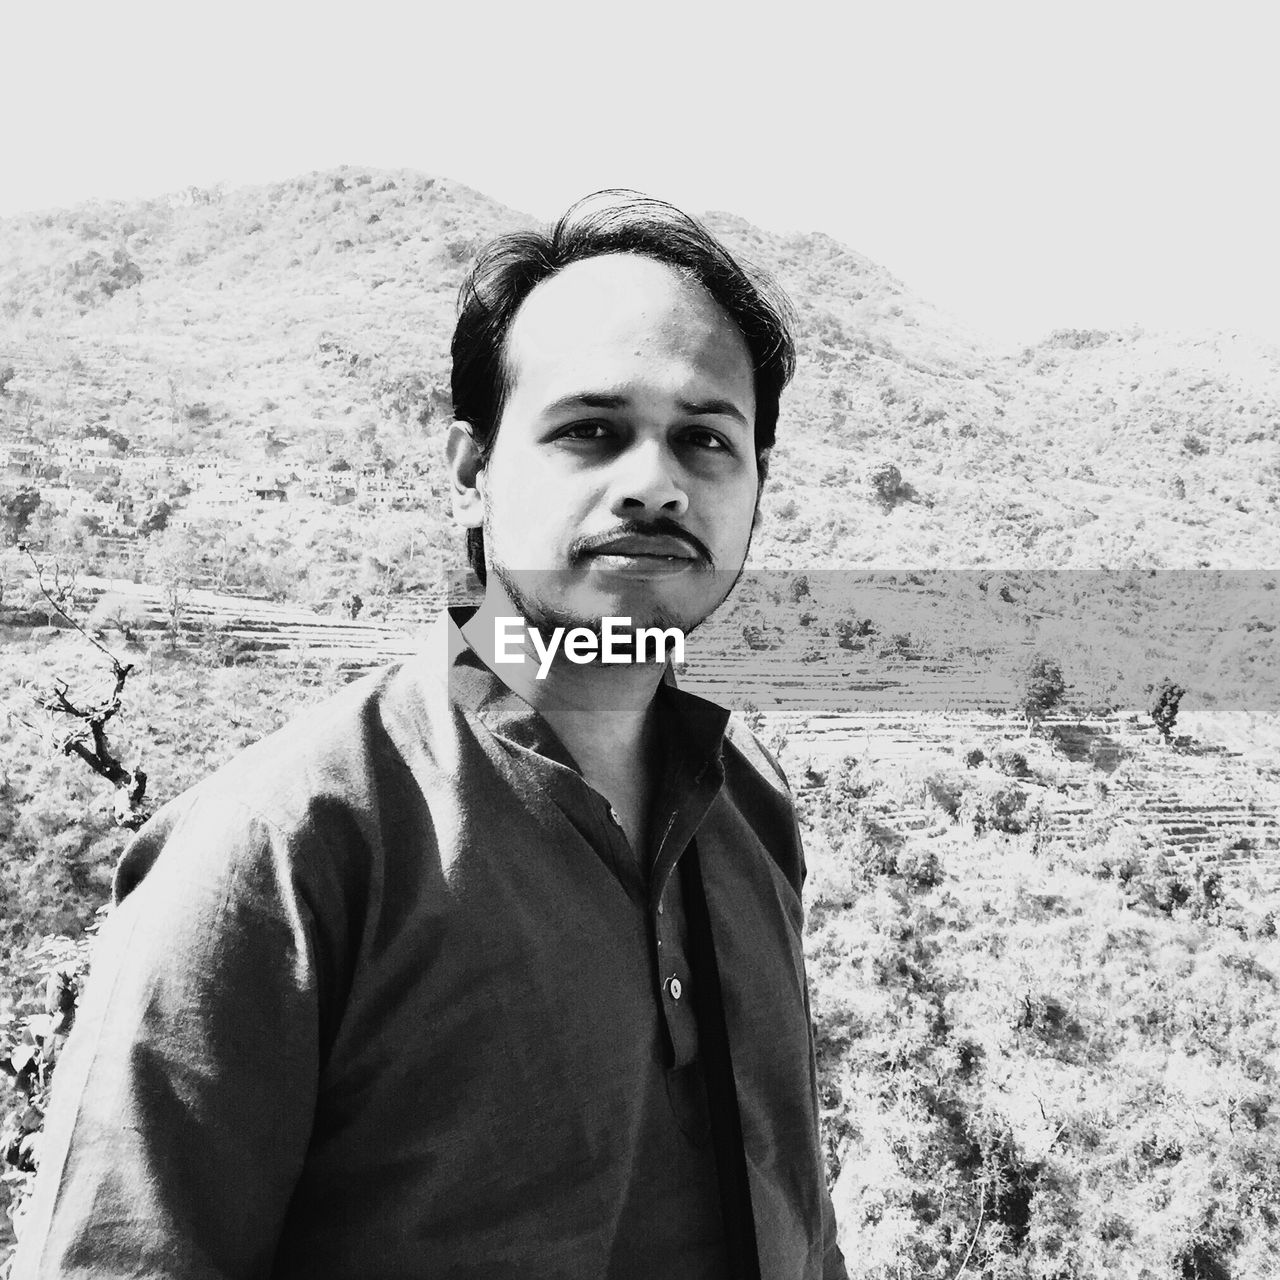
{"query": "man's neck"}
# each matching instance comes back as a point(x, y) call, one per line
point(603, 714)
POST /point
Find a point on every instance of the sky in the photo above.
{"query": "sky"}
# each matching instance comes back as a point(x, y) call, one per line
point(1025, 166)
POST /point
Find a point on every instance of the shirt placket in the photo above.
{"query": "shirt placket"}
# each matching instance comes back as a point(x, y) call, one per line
point(669, 921)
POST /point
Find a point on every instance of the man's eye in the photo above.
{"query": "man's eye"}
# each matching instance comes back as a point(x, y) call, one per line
point(584, 431)
point(703, 438)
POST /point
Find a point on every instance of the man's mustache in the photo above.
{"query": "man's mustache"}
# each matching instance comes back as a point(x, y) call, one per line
point(661, 527)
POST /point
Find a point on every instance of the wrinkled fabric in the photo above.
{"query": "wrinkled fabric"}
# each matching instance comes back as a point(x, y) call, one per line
point(391, 996)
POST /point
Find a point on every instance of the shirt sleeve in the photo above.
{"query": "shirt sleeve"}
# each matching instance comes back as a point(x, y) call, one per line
point(833, 1267)
point(833, 1264)
point(183, 1102)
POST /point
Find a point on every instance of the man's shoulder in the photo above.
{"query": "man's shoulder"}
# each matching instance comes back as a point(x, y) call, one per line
point(329, 745)
point(324, 768)
point(757, 790)
point(753, 758)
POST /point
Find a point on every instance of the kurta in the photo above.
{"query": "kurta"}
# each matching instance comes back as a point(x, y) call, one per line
point(392, 996)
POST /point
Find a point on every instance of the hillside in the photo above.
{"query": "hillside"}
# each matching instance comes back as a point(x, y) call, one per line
point(1043, 957)
point(1043, 968)
point(306, 323)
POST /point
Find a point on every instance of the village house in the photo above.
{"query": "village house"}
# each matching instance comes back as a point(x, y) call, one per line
point(20, 457)
point(113, 515)
point(267, 489)
point(327, 486)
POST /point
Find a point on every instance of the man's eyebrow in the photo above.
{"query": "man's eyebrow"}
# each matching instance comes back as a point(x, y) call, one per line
point(608, 400)
point(720, 408)
point(587, 400)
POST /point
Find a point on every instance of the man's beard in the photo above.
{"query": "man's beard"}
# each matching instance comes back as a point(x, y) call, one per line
point(532, 592)
point(545, 616)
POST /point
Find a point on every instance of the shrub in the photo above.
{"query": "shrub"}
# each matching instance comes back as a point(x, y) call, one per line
point(16, 509)
point(1002, 808)
point(874, 848)
point(49, 982)
point(7, 375)
point(460, 249)
point(1158, 884)
point(946, 790)
point(414, 397)
point(1164, 706)
point(919, 867)
point(1011, 763)
point(884, 483)
point(125, 614)
point(1041, 687)
point(1077, 339)
point(850, 630)
point(156, 517)
point(1005, 809)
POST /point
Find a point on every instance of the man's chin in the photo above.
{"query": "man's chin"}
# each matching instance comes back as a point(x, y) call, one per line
point(663, 600)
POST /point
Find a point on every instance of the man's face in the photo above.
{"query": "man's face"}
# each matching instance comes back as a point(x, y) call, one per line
point(622, 481)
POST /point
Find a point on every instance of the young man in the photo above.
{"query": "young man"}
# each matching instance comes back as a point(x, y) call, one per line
point(486, 967)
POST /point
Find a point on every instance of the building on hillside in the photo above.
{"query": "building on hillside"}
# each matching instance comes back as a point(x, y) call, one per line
point(327, 486)
point(198, 470)
point(268, 490)
point(91, 477)
point(20, 458)
point(114, 516)
point(215, 496)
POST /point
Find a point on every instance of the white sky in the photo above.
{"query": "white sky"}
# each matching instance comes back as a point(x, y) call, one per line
point(1024, 165)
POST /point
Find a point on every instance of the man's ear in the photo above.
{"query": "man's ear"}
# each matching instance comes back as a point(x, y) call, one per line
point(762, 472)
point(466, 470)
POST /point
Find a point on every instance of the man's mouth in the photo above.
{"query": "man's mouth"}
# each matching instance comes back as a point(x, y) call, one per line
point(640, 547)
point(643, 556)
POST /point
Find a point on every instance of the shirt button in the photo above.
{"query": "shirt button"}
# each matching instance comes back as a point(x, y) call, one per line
point(674, 988)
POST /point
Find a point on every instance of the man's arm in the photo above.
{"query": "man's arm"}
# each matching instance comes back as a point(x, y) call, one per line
point(789, 854)
point(183, 1102)
point(833, 1265)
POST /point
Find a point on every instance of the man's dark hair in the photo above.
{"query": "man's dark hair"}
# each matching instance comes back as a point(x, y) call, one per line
point(509, 268)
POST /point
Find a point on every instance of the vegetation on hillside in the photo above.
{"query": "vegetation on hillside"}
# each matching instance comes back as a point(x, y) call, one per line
point(1047, 1033)
point(1038, 1056)
point(305, 324)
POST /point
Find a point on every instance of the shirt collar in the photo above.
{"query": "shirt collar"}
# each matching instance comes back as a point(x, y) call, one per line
point(694, 724)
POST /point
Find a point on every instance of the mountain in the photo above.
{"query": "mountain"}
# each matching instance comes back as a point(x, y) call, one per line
point(306, 322)
point(1032, 955)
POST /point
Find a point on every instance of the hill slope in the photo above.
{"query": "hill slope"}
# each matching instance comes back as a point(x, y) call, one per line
point(308, 320)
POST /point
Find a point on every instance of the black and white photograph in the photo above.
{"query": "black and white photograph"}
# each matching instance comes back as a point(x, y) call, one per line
point(640, 643)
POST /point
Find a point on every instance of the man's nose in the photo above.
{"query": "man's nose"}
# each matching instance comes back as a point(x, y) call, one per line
point(650, 479)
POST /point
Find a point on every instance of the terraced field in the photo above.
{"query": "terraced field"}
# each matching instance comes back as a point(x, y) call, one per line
point(878, 699)
point(904, 713)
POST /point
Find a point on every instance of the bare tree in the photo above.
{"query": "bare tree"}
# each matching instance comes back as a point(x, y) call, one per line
point(172, 563)
point(86, 732)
